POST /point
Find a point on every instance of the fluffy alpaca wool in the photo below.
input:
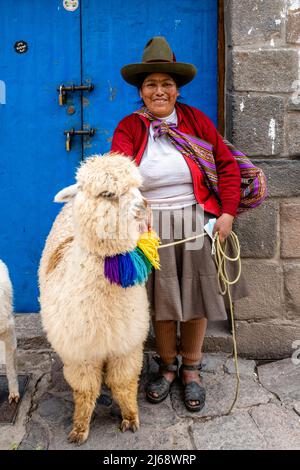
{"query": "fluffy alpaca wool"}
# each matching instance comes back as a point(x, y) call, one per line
point(7, 332)
point(6, 318)
point(84, 315)
point(89, 321)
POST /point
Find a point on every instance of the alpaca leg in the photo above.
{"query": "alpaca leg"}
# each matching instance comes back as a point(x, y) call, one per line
point(85, 381)
point(10, 354)
point(122, 378)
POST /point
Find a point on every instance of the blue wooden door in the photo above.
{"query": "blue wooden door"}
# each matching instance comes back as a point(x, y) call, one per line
point(115, 32)
point(45, 44)
point(40, 48)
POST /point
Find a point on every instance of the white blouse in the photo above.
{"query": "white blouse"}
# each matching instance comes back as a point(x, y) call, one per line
point(167, 180)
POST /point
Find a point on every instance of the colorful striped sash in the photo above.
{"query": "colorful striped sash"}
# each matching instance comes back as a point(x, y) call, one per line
point(253, 180)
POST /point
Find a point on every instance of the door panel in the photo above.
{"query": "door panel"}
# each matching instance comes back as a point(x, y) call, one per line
point(88, 45)
point(33, 163)
point(114, 33)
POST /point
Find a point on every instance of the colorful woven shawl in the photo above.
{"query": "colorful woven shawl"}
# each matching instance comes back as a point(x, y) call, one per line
point(253, 180)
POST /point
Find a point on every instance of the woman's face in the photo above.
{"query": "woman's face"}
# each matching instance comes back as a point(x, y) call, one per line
point(159, 93)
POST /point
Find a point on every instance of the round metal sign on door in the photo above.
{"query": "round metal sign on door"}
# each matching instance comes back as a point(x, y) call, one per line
point(70, 5)
point(21, 47)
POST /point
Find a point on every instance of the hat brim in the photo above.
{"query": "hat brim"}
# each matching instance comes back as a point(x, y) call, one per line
point(184, 72)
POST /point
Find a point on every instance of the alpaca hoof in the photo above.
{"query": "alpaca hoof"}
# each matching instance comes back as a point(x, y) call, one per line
point(132, 424)
point(13, 397)
point(78, 436)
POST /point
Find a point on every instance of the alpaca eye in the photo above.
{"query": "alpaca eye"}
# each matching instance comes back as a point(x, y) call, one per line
point(108, 195)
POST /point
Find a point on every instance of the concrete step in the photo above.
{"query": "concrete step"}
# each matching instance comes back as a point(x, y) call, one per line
point(30, 335)
point(218, 338)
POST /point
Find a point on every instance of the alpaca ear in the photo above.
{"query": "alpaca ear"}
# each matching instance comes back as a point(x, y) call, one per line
point(66, 194)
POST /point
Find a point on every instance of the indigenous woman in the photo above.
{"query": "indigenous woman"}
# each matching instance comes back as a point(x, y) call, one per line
point(166, 139)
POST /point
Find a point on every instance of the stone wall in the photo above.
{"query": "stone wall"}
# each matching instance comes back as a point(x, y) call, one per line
point(263, 120)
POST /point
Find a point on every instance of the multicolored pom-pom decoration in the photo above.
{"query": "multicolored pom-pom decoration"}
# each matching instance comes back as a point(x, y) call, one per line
point(134, 267)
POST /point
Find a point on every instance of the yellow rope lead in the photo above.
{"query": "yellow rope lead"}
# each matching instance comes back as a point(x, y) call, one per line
point(181, 241)
point(224, 282)
point(221, 260)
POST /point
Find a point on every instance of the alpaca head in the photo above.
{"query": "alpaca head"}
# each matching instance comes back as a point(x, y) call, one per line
point(108, 207)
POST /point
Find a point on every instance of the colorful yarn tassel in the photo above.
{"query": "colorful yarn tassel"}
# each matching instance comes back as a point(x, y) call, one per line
point(141, 267)
point(149, 243)
point(128, 274)
point(111, 269)
point(134, 267)
point(144, 259)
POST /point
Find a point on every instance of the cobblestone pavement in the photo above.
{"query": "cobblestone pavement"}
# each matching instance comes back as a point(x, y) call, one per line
point(267, 415)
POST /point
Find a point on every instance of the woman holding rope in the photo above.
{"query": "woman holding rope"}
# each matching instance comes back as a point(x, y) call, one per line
point(166, 140)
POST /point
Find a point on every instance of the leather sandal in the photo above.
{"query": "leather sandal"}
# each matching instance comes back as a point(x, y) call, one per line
point(161, 385)
point(192, 390)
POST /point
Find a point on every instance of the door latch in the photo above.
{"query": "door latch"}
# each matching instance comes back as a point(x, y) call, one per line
point(62, 91)
point(61, 96)
point(70, 133)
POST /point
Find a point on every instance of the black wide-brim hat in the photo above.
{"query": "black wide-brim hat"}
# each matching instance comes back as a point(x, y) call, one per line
point(158, 58)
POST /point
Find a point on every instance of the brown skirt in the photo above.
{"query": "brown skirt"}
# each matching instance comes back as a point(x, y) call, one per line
point(186, 286)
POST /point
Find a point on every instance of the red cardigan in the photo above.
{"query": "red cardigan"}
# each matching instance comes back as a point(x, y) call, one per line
point(131, 135)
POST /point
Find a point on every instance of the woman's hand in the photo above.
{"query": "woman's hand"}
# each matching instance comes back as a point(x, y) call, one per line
point(223, 226)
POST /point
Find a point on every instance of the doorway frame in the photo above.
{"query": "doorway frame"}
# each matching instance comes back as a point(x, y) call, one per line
point(221, 68)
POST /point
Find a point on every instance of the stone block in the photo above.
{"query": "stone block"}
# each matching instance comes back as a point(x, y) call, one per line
point(283, 177)
point(234, 432)
point(217, 338)
point(36, 439)
point(214, 362)
point(264, 281)
point(296, 407)
point(266, 340)
point(278, 426)
point(53, 408)
point(246, 368)
point(33, 361)
point(58, 381)
point(29, 331)
point(292, 289)
point(281, 378)
point(266, 70)
point(294, 101)
point(293, 27)
point(254, 21)
point(257, 124)
point(12, 436)
point(257, 231)
point(268, 426)
point(290, 229)
point(293, 134)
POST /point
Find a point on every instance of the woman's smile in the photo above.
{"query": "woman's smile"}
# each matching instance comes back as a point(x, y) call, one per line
point(159, 93)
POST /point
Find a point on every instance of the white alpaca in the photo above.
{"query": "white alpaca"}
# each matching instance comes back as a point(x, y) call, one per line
point(97, 328)
point(7, 332)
